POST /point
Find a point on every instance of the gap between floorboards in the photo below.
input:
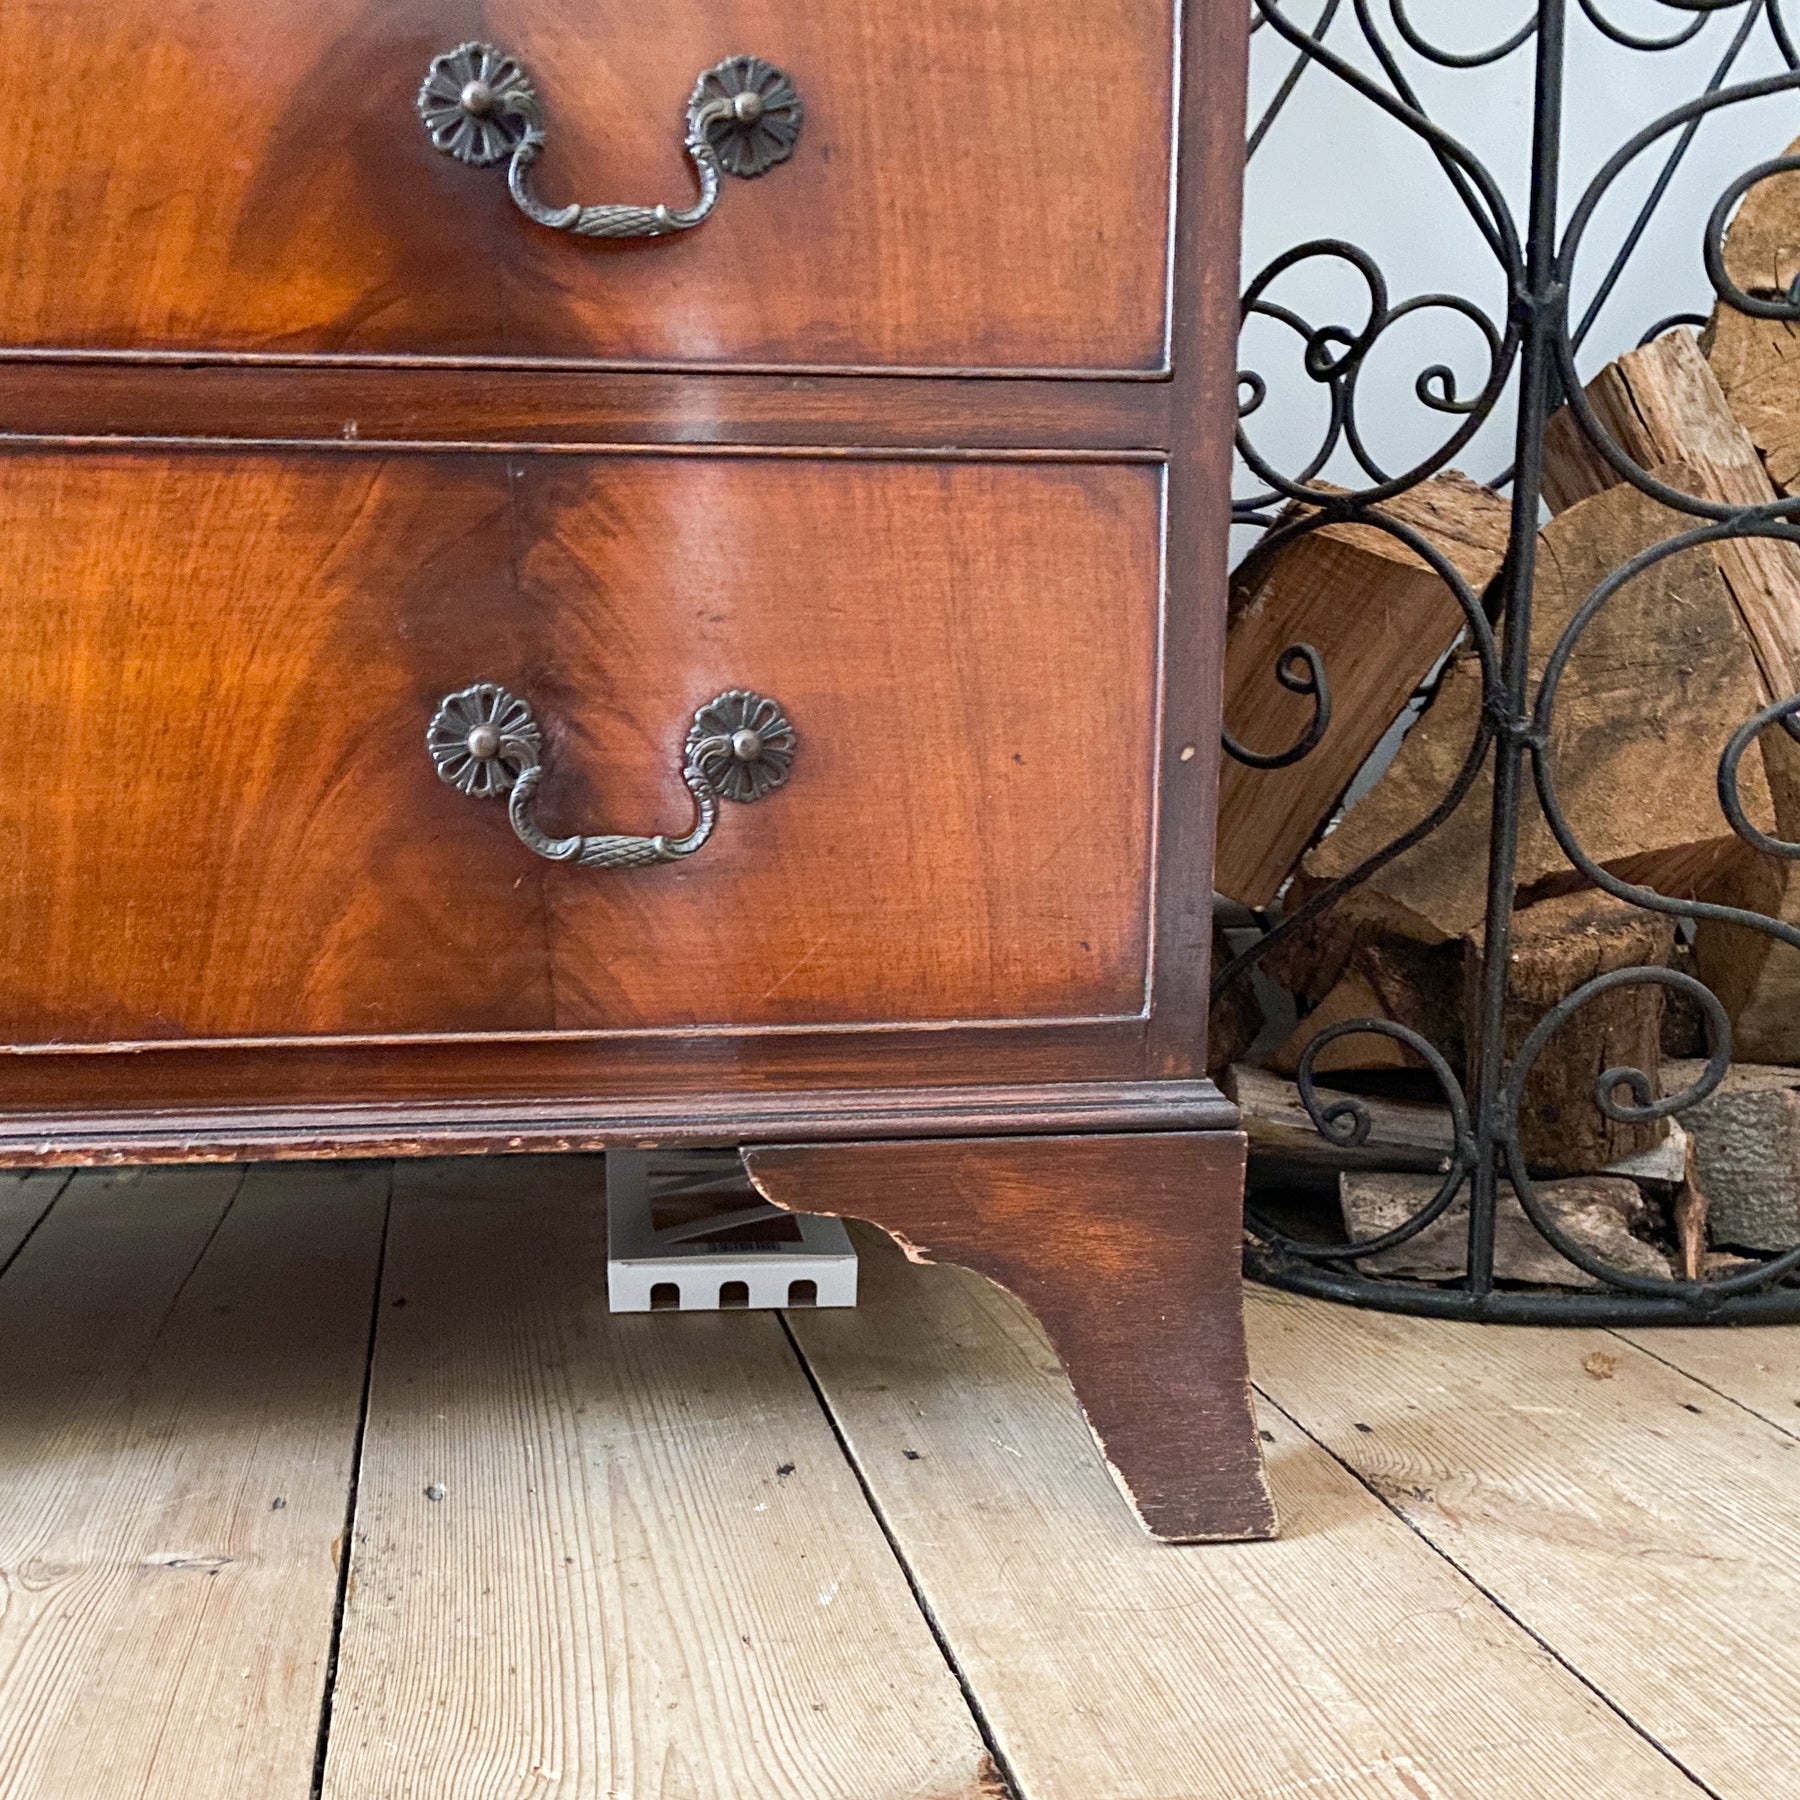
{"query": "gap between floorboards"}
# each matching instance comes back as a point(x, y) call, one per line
point(1006, 1780)
point(322, 1752)
point(1636, 1342)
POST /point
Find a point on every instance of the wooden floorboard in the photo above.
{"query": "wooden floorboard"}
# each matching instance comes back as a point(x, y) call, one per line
point(603, 1558)
point(1347, 1659)
point(25, 1196)
point(1757, 1366)
point(1646, 1529)
point(626, 1559)
point(180, 1381)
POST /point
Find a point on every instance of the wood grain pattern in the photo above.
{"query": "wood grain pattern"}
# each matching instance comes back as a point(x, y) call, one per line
point(970, 658)
point(1126, 1248)
point(221, 668)
point(1345, 1661)
point(602, 1556)
point(236, 830)
point(1642, 1528)
point(361, 410)
point(172, 1359)
point(970, 189)
point(1634, 769)
point(176, 1430)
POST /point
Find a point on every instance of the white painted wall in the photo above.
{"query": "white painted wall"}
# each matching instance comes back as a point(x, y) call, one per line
point(1333, 166)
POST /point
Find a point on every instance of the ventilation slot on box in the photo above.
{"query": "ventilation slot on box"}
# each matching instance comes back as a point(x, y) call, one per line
point(686, 1232)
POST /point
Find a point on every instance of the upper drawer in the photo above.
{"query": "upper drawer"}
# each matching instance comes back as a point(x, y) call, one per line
point(976, 184)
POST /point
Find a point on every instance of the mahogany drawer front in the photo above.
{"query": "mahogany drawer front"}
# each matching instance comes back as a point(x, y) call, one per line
point(224, 822)
point(978, 185)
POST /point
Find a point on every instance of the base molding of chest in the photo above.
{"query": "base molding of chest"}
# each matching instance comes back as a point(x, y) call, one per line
point(476, 1127)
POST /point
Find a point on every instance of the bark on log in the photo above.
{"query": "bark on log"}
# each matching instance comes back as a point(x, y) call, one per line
point(1747, 1148)
point(1557, 946)
point(1597, 1211)
point(1403, 1134)
point(1381, 618)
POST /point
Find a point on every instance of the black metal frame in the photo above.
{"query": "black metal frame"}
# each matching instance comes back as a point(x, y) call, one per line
point(1536, 344)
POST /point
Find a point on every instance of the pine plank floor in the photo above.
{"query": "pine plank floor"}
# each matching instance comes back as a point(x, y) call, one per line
point(342, 1482)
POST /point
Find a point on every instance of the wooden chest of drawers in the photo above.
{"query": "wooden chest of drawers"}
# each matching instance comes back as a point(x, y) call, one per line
point(496, 672)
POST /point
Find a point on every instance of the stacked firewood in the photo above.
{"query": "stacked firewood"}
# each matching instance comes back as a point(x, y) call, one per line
point(1664, 674)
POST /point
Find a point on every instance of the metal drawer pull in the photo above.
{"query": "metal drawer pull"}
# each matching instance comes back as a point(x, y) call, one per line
point(485, 742)
point(479, 106)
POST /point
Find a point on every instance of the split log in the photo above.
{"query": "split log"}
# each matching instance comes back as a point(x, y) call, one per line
point(1665, 1165)
point(1757, 361)
point(1684, 1018)
point(1746, 1138)
point(1663, 404)
point(1598, 1212)
point(1416, 985)
point(1380, 618)
point(1403, 1135)
point(1664, 401)
point(1634, 740)
point(1557, 946)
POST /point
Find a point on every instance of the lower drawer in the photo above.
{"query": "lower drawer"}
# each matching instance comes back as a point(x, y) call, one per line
point(221, 819)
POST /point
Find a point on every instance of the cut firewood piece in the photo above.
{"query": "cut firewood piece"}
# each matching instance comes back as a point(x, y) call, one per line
point(1721, 1265)
point(1393, 979)
point(1596, 1211)
point(1403, 1134)
point(1380, 618)
point(1663, 401)
point(1557, 947)
point(1756, 360)
point(1435, 893)
point(1756, 976)
point(1747, 1150)
point(1311, 959)
point(1663, 404)
point(1660, 679)
point(1664, 1165)
point(1660, 403)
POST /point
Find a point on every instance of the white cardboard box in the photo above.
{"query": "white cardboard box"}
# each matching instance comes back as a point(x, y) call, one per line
point(719, 1243)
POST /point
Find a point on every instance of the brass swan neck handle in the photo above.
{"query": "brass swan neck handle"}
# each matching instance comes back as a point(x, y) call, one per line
point(478, 104)
point(485, 742)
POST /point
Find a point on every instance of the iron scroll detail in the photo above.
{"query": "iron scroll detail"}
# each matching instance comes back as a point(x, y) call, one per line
point(478, 104)
point(1532, 333)
point(485, 742)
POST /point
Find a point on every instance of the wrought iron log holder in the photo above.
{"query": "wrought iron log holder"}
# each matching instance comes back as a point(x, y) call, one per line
point(1531, 354)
